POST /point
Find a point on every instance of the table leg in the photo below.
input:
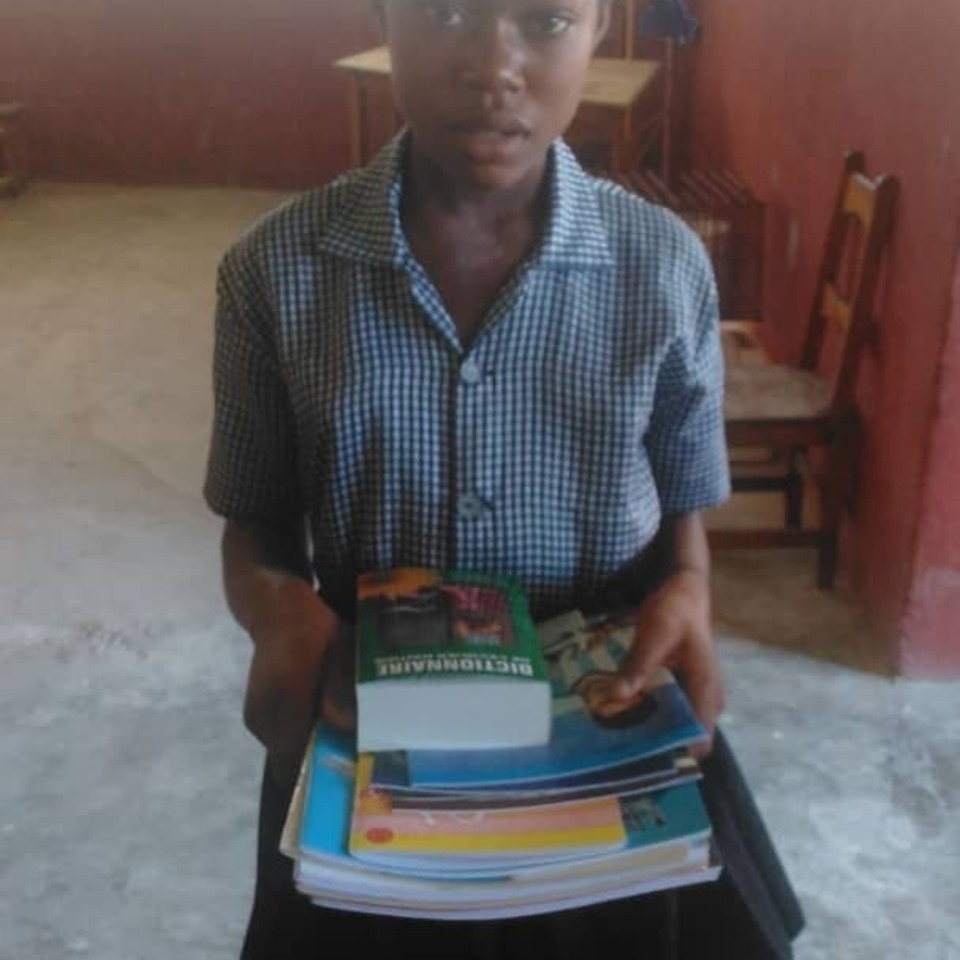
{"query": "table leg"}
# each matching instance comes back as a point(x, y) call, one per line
point(623, 144)
point(629, 28)
point(617, 145)
point(357, 105)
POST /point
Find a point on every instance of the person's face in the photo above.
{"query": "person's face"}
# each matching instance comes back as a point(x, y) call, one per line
point(486, 85)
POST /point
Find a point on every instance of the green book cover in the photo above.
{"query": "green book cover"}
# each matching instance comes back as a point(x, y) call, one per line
point(431, 624)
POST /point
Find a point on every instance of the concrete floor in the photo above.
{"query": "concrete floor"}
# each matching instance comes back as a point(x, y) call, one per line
point(127, 807)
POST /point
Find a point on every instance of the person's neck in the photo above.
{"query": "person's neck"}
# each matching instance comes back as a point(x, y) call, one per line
point(432, 194)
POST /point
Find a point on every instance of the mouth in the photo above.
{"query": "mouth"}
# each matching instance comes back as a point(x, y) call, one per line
point(491, 129)
point(489, 141)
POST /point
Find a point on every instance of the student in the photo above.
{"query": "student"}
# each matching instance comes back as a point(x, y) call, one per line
point(471, 353)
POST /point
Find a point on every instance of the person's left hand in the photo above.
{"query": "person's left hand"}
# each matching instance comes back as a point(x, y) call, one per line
point(674, 631)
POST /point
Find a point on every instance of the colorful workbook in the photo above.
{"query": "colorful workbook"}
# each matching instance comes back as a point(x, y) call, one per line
point(383, 834)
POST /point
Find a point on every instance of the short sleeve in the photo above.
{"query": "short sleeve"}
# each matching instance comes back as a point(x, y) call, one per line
point(686, 443)
point(252, 459)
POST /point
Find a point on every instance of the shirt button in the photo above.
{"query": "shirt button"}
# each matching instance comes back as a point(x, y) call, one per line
point(470, 372)
point(471, 507)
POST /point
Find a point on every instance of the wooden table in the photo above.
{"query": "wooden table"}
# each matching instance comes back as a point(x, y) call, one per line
point(613, 89)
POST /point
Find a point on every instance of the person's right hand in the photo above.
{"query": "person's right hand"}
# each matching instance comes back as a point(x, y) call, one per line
point(291, 639)
point(338, 701)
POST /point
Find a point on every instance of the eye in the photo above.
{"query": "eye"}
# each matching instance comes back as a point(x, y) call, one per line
point(543, 24)
point(450, 16)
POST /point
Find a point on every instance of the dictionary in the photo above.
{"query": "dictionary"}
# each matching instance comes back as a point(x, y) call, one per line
point(447, 660)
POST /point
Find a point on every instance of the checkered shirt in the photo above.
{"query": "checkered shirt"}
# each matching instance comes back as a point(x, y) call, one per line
point(588, 406)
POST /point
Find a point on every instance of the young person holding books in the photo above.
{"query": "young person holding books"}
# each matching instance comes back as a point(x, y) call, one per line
point(471, 354)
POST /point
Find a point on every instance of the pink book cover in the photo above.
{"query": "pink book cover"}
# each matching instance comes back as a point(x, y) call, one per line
point(583, 826)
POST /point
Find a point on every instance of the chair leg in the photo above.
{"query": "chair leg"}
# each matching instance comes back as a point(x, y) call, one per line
point(13, 176)
point(832, 498)
point(793, 495)
point(837, 494)
point(829, 534)
point(827, 560)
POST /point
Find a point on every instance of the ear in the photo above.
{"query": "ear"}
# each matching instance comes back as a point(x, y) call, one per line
point(603, 21)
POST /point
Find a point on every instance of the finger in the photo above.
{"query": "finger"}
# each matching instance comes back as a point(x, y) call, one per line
point(297, 707)
point(286, 754)
point(260, 702)
point(704, 689)
point(702, 748)
point(266, 715)
point(655, 640)
point(338, 707)
point(338, 717)
point(294, 714)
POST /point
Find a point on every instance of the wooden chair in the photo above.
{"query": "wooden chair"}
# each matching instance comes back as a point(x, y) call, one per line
point(803, 420)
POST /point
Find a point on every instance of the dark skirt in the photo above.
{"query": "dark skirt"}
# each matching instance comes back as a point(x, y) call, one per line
point(750, 913)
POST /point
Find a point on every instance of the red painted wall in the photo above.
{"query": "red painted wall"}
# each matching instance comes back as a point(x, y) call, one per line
point(782, 89)
point(932, 623)
point(184, 91)
point(242, 92)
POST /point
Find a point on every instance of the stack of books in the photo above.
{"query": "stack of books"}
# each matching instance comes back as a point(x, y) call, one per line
point(608, 807)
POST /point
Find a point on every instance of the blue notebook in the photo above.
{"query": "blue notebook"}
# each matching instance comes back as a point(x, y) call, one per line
point(580, 744)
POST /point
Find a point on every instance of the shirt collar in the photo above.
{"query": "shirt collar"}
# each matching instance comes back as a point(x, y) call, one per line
point(576, 234)
point(368, 227)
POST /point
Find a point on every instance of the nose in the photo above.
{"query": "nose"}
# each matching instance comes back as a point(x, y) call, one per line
point(494, 58)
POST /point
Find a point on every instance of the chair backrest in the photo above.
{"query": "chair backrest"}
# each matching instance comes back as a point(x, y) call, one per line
point(850, 269)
